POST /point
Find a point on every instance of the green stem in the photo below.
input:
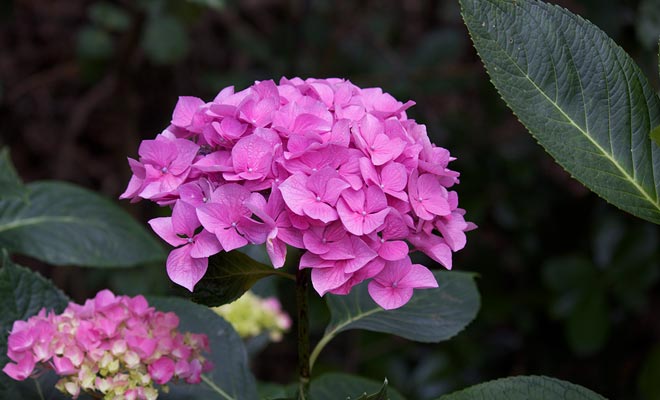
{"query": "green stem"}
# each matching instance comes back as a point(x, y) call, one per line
point(319, 347)
point(284, 274)
point(41, 394)
point(302, 305)
point(216, 388)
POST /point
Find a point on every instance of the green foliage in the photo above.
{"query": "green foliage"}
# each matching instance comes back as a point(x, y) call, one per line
point(22, 294)
point(230, 378)
point(578, 93)
point(648, 382)
point(648, 23)
point(381, 395)
point(10, 182)
point(62, 224)
point(94, 43)
point(431, 316)
point(229, 275)
point(165, 40)
point(109, 16)
point(525, 388)
point(335, 386)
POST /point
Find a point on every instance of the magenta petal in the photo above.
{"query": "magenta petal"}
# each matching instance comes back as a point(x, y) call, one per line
point(295, 193)
point(185, 270)
point(321, 211)
point(185, 110)
point(394, 176)
point(388, 297)
point(394, 250)
point(276, 249)
point(230, 239)
point(20, 371)
point(205, 245)
point(184, 219)
point(374, 221)
point(63, 366)
point(162, 370)
point(326, 279)
point(419, 277)
point(163, 228)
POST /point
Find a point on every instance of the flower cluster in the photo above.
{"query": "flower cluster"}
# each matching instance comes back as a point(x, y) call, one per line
point(318, 164)
point(115, 345)
point(252, 315)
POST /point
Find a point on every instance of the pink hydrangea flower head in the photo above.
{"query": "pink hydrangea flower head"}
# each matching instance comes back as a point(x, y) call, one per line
point(322, 165)
point(111, 346)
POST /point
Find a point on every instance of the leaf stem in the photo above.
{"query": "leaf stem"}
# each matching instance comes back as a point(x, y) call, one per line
point(216, 388)
point(320, 346)
point(302, 305)
point(41, 394)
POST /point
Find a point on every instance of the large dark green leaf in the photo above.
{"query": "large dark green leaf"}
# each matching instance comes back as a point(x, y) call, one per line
point(11, 184)
point(525, 388)
point(432, 315)
point(62, 224)
point(22, 294)
point(578, 93)
point(231, 375)
point(229, 276)
point(336, 386)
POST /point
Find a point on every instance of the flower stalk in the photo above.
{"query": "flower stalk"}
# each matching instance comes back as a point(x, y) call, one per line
point(302, 306)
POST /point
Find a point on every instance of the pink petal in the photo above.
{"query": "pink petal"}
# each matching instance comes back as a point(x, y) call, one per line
point(326, 279)
point(184, 219)
point(185, 109)
point(20, 371)
point(419, 277)
point(394, 250)
point(161, 370)
point(205, 245)
point(394, 176)
point(321, 211)
point(185, 270)
point(276, 249)
point(295, 193)
point(388, 297)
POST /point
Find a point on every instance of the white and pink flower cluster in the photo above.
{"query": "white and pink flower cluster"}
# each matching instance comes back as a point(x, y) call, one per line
point(117, 346)
point(317, 164)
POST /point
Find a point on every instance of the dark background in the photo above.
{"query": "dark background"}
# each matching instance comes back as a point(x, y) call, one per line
point(569, 284)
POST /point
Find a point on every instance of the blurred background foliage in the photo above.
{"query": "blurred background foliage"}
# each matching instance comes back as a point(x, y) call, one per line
point(570, 285)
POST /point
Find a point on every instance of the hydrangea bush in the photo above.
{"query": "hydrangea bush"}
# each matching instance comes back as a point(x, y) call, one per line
point(117, 346)
point(318, 164)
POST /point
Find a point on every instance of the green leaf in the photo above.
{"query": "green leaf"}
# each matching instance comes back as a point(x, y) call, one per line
point(22, 294)
point(109, 16)
point(655, 135)
point(431, 316)
point(334, 386)
point(648, 23)
point(580, 95)
point(381, 395)
point(230, 378)
point(588, 326)
point(10, 182)
point(94, 43)
point(276, 391)
point(648, 382)
point(229, 275)
point(165, 40)
point(63, 224)
point(525, 388)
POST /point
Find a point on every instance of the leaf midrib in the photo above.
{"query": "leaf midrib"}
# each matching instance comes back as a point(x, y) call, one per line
point(585, 133)
point(20, 223)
